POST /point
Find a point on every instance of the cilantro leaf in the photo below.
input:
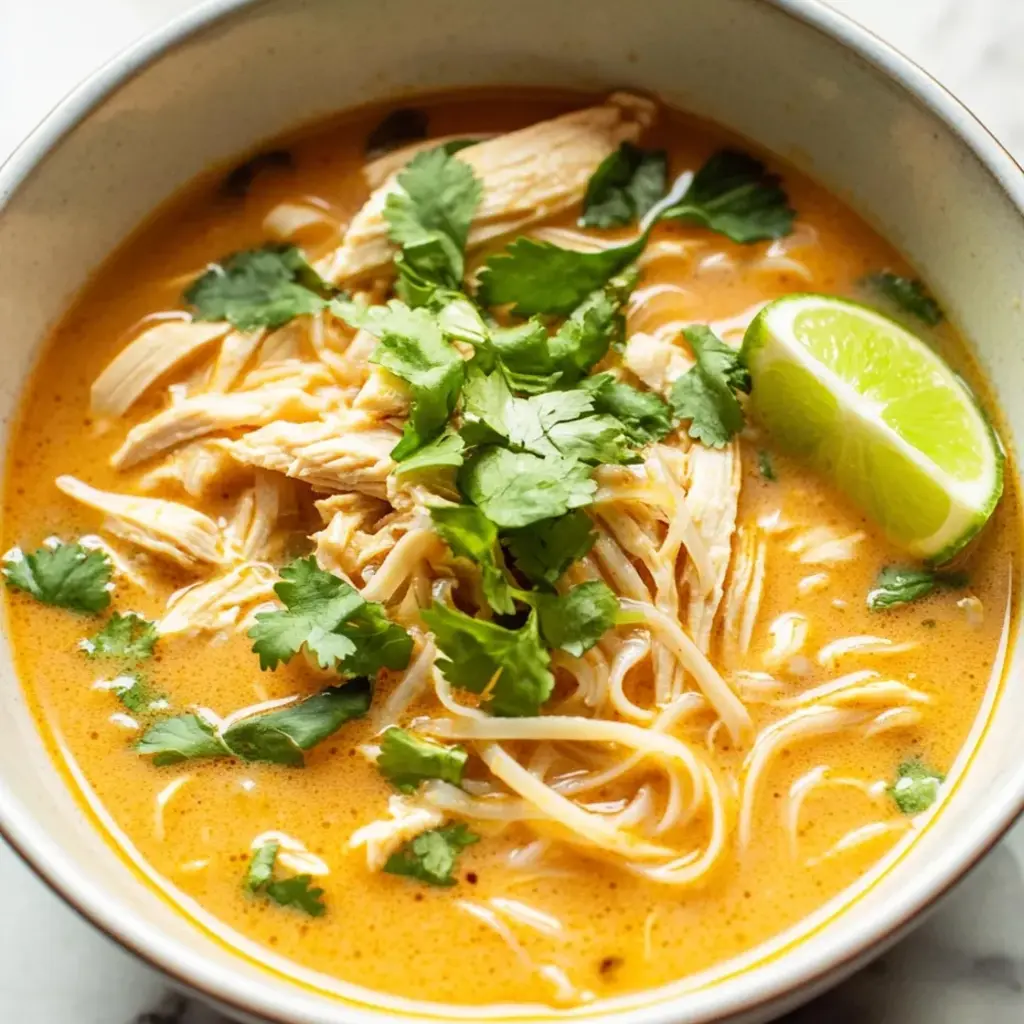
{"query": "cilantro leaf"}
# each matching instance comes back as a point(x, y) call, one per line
point(916, 787)
point(508, 666)
point(443, 453)
point(412, 347)
point(181, 738)
point(280, 737)
point(470, 534)
point(910, 295)
point(137, 696)
point(901, 585)
point(332, 621)
point(261, 866)
point(765, 465)
point(539, 277)
point(406, 760)
point(594, 326)
point(298, 892)
point(429, 217)
point(545, 549)
point(124, 636)
point(430, 857)
point(626, 184)
point(65, 575)
point(258, 288)
point(643, 414)
point(576, 620)
point(706, 394)
point(734, 195)
point(515, 489)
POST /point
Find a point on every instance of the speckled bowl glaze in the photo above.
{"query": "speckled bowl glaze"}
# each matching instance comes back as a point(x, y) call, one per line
point(792, 75)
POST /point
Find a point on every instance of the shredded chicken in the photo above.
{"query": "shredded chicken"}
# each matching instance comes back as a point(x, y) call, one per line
point(348, 519)
point(382, 838)
point(236, 350)
point(219, 603)
point(153, 353)
point(194, 468)
point(166, 528)
point(377, 172)
point(658, 362)
point(348, 451)
point(526, 176)
point(383, 394)
point(211, 413)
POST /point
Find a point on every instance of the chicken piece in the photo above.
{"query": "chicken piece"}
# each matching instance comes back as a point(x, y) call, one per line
point(383, 394)
point(378, 171)
point(382, 838)
point(526, 176)
point(166, 528)
point(194, 468)
point(220, 603)
point(347, 451)
point(348, 520)
point(236, 350)
point(713, 498)
point(145, 360)
point(251, 530)
point(207, 414)
point(656, 361)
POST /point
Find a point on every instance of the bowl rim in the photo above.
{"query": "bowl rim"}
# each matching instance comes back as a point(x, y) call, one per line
point(785, 975)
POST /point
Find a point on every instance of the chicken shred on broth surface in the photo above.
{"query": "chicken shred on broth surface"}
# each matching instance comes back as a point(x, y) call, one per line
point(463, 636)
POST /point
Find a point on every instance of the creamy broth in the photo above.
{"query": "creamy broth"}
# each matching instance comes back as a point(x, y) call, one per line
point(580, 927)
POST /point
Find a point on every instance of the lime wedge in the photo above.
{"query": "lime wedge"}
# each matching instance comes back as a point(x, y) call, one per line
point(881, 414)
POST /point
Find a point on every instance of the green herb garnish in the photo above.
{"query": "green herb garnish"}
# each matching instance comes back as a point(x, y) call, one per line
point(545, 549)
point(470, 534)
point(916, 787)
point(576, 620)
point(431, 856)
point(902, 585)
point(258, 288)
point(626, 184)
point(406, 760)
point(64, 575)
point(124, 636)
point(297, 891)
point(909, 294)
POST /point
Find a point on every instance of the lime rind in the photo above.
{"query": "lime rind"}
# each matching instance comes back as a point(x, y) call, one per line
point(814, 410)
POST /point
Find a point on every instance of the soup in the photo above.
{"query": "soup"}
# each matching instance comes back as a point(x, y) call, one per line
point(434, 596)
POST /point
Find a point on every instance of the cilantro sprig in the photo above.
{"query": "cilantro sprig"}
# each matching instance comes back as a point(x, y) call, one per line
point(916, 787)
point(258, 288)
point(898, 585)
point(297, 891)
point(908, 294)
point(626, 184)
point(64, 575)
point(332, 621)
point(124, 636)
point(406, 760)
point(277, 737)
point(432, 855)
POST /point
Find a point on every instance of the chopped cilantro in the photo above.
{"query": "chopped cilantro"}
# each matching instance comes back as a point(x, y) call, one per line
point(470, 534)
point(124, 636)
point(545, 549)
point(626, 184)
point(734, 195)
point(539, 277)
point(576, 620)
point(509, 667)
point(278, 737)
point(430, 857)
point(910, 295)
point(594, 326)
point(429, 217)
point(298, 892)
point(412, 347)
point(643, 414)
point(901, 585)
point(515, 489)
point(706, 394)
point(765, 465)
point(406, 760)
point(261, 866)
point(331, 620)
point(258, 288)
point(437, 456)
point(916, 787)
point(136, 694)
point(65, 575)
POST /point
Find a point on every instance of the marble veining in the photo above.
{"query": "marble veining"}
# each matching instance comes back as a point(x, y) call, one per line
point(964, 965)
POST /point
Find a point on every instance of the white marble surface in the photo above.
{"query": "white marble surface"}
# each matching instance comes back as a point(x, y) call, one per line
point(965, 965)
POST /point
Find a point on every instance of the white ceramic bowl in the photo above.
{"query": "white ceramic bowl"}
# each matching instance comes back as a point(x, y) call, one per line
point(792, 75)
